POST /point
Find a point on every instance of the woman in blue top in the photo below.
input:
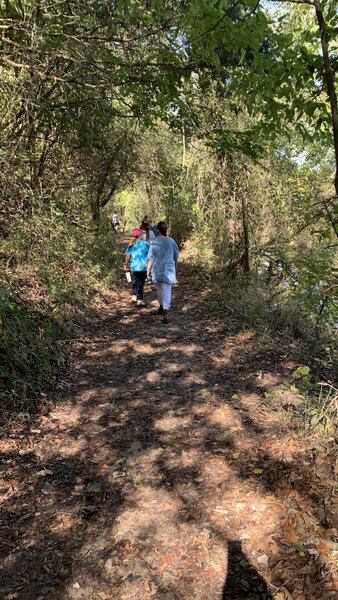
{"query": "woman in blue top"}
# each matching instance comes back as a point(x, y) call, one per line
point(136, 258)
point(162, 265)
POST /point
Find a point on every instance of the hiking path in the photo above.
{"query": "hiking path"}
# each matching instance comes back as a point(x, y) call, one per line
point(167, 468)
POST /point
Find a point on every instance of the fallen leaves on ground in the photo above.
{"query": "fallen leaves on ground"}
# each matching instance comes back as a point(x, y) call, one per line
point(282, 594)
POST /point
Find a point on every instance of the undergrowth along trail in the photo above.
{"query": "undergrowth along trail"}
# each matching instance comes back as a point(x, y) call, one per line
point(171, 468)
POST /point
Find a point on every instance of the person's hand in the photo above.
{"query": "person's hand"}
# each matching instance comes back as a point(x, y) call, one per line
point(125, 267)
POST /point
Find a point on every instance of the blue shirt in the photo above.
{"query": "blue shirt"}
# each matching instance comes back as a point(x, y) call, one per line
point(138, 255)
point(164, 254)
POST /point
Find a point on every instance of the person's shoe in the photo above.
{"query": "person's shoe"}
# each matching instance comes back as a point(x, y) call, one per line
point(165, 319)
point(141, 303)
point(160, 310)
point(133, 298)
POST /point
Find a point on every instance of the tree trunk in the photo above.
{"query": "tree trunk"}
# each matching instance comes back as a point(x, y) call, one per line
point(95, 210)
point(329, 81)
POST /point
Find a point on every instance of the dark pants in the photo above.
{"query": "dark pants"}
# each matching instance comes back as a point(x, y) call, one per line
point(138, 278)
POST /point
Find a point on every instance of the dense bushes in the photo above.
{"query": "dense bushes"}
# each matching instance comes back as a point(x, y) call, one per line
point(53, 268)
point(30, 350)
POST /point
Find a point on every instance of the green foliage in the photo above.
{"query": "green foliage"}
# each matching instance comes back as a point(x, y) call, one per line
point(30, 349)
point(160, 185)
point(57, 269)
point(320, 411)
point(6, 307)
point(286, 81)
point(210, 114)
point(139, 479)
point(250, 303)
point(69, 255)
point(301, 373)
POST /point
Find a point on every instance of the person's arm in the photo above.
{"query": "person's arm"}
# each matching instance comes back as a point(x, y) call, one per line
point(176, 255)
point(150, 260)
point(126, 262)
point(149, 265)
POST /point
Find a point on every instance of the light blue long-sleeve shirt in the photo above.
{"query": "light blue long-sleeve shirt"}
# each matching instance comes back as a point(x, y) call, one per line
point(164, 253)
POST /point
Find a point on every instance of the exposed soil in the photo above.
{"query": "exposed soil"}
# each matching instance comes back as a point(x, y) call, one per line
point(170, 467)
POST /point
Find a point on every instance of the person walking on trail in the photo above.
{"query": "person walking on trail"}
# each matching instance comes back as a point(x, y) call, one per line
point(115, 222)
point(154, 229)
point(148, 234)
point(136, 256)
point(162, 267)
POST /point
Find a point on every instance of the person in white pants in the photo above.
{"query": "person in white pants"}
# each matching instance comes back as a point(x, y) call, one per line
point(162, 267)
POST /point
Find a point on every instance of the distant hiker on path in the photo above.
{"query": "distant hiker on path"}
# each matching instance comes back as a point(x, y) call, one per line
point(115, 222)
point(148, 234)
point(162, 267)
point(136, 258)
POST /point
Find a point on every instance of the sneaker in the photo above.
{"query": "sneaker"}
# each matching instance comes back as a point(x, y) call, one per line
point(160, 310)
point(141, 303)
point(133, 298)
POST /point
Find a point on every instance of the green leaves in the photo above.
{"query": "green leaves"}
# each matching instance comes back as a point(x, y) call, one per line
point(301, 372)
point(138, 480)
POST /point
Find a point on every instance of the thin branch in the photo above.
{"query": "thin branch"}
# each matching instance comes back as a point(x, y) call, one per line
point(294, 1)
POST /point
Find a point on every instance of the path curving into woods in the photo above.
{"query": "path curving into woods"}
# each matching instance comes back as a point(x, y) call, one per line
point(162, 471)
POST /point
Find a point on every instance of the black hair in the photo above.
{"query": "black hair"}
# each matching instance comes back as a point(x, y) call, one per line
point(162, 227)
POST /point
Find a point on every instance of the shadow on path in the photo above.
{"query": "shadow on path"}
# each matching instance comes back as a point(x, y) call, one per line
point(243, 581)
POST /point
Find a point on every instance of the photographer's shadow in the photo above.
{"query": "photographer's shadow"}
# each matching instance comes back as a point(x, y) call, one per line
point(243, 581)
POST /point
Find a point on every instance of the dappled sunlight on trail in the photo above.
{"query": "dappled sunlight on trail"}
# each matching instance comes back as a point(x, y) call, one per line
point(165, 472)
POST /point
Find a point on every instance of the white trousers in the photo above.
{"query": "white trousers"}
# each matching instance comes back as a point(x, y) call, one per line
point(164, 294)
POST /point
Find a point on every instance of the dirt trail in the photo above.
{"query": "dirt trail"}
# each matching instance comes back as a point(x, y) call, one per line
point(164, 473)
